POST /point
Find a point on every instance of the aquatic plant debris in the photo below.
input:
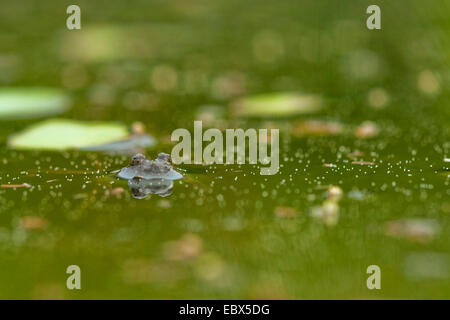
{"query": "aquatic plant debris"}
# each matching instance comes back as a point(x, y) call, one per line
point(414, 229)
point(282, 104)
point(427, 265)
point(187, 247)
point(138, 140)
point(13, 186)
point(367, 129)
point(316, 128)
point(102, 43)
point(328, 212)
point(363, 163)
point(285, 212)
point(24, 103)
point(63, 134)
point(132, 144)
point(33, 223)
point(335, 193)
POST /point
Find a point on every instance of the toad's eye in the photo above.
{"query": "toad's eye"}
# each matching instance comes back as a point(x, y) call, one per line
point(137, 159)
point(164, 157)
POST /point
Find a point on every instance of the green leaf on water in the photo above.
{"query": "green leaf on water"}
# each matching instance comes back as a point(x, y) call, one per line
point(61, 134)
point(23, 103)
point(276, 105)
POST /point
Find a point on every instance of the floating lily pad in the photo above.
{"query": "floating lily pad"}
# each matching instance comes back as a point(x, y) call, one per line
point(106, 43)
point(130, 145)
point(276, 105)
point(22, 103)
point(61, 134)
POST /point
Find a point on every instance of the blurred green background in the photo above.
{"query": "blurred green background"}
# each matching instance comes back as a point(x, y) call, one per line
point(226, 231)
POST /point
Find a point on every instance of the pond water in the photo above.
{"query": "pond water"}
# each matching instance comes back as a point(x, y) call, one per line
point(363, 179)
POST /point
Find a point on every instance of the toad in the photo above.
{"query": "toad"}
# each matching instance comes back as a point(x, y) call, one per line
point(160, 168)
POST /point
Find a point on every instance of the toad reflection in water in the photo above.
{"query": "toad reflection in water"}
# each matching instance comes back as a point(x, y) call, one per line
point(141, 187)
point(150, 176)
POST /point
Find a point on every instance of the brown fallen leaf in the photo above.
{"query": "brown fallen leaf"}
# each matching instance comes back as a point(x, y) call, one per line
point(33, 223)
point(117, 191)
point(363, 163)
point(355, 154)
point(415, 230)
point(285, 212)
point(316, 128)
point(114, 192)
point(65, 172)
point(367, 129)
point(138, 271)
point(164, 204)
point(11, 186)
point(210, 267)
point(189, 246)
point(80, 196)
point(328, 212)
point(138, 128)
point(329, 165)
point(334, 193)
point(49, 291)
point(268, 289)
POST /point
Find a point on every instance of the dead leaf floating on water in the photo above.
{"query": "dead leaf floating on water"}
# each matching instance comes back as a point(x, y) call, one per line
point(33, 223)
point(335, 193)
point(61, 134)
point(114, 192)
point(106, 43)
point(49, 291)
point(285, 212)
point(316, 128)
point(363, 163)
point(427, 265)
point(429, 82)
point(209, 267)
point(80, 196)
point(13, 186)
point(188, 247)
point(26, 103)
point(378, 98)
point(211, 115)
point(355, 154)
point(276, 105)
point(415, 230)
point(356, 195)
point(64, 134)
point(367, 129)
point(164, 204)
point(138, 271)
point(328, 212)
point(117, 191)
point(138, 128)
